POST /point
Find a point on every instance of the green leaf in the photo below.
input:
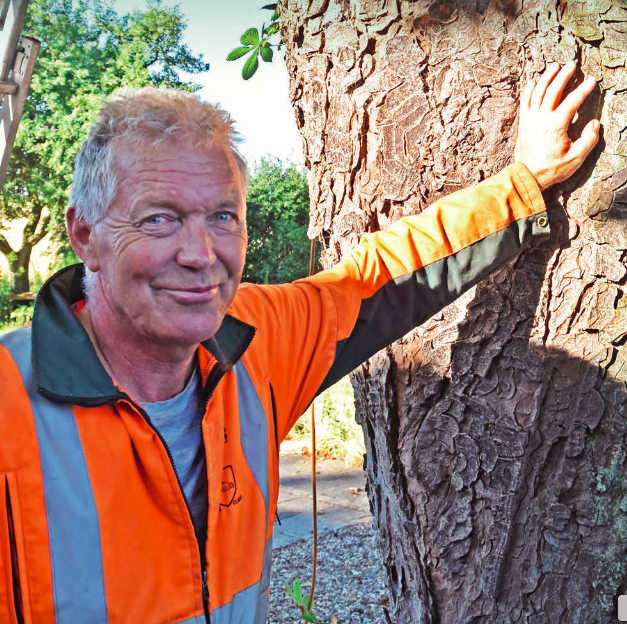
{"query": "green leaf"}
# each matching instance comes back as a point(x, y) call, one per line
point(298, 595)
point(250, 37)
point(295, 591)
point(266, 53)
point(272, 29)
point(251, 65)
point(273, 7)
point(238, 53)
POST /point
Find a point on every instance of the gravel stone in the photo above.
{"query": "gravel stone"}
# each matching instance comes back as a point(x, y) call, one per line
point(350, 586)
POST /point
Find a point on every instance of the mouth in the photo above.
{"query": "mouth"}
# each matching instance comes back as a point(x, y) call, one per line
point(193, 294)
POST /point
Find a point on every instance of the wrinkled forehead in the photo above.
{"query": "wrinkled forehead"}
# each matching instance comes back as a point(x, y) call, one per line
point(127, 153)
point(175, 170)
point(125, 150)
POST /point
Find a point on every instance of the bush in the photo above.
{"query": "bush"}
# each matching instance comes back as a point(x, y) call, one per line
point(277, 217)
point(12, 315)
point(338, 436)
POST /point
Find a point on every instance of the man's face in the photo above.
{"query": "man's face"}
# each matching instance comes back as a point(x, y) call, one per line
point(170, 250)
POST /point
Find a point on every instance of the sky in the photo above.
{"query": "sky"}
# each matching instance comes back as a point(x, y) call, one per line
point(260, 105)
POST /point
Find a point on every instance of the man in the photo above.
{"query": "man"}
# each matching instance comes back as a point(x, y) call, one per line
point(141, 414)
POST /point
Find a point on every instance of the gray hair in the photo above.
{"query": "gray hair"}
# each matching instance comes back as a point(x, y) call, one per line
point(144, 117)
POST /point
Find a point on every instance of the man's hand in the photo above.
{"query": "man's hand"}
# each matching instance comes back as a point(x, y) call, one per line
point(543, 143)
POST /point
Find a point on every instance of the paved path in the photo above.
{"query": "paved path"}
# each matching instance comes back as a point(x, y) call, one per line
point(342, 499)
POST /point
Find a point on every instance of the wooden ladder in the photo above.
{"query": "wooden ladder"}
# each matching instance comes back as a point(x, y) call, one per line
point(18, 61)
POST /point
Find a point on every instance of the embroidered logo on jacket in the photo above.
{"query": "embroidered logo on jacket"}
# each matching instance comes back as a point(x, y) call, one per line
point(229, 488)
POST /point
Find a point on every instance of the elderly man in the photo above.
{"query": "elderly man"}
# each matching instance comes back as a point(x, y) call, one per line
point(141, 414)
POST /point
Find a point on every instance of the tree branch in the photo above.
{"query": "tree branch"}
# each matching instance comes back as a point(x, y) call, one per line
point(33, 220)
point(5, 248)
point(43, 230)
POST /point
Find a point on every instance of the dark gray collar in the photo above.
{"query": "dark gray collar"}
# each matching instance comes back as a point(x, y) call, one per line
point(65, 366)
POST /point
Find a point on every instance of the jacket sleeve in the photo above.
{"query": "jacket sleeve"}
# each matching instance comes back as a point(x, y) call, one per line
point(326, 325)
point(421, 264)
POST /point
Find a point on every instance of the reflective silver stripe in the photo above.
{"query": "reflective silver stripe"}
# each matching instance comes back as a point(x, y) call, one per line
point(250, 606)
point(253, 431)
point(73, 526)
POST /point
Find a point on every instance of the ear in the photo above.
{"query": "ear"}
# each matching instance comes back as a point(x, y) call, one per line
point(82, 239)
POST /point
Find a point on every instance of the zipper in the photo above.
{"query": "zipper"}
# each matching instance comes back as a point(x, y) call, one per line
point(205, 595)
point(17, 591)
point(205, 588)
point(215, 375)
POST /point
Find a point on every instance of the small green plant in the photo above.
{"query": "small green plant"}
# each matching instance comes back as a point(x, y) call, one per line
point(257, 43)
point(302, 602)
point(22, 315)
point(338, 436)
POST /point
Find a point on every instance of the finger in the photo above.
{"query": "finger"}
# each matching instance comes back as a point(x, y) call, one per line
point(543, 83)
point(584, 144)
point(574, 100)
point(525, 97)
point(553, 95)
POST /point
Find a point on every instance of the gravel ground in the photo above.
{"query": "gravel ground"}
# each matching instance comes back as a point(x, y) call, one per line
point(351, 585)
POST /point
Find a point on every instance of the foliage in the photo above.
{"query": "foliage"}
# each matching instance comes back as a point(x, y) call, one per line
point(87, 52)
point(338, 436)
point(277, 218)
point(12, 316)
point(302, 602)
point(257, 43)
point(6, 306)
point(22, 315)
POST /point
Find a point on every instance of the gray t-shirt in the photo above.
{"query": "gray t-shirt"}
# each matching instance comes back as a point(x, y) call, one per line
point(178, 420)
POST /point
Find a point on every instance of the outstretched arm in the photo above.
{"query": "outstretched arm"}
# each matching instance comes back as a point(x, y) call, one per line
point(397, 279)
point(543, 143)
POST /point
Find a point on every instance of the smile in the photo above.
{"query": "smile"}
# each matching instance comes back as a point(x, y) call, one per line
point(201, 294)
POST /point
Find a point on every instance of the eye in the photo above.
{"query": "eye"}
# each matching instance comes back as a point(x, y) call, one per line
point(155, 220)
point(158, 224)
point(226, 218)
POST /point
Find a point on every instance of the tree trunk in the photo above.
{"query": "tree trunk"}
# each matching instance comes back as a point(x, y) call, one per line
point(35, 230)
point(496, 433)
point(19, 263)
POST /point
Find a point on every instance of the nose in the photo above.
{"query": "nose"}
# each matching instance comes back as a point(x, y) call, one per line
point(196, 247)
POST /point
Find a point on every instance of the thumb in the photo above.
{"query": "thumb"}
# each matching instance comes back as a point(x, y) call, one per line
point(584, 144)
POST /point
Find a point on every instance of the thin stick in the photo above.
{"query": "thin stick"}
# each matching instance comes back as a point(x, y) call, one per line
point(314, 484)
point(314, 491)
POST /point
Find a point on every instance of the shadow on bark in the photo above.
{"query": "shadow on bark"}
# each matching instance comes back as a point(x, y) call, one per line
point(496, 466)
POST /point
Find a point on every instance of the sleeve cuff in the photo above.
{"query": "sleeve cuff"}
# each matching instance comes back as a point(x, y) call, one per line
point(527, 187)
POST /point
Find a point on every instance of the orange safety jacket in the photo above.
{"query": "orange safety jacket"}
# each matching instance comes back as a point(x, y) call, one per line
point(94, 525)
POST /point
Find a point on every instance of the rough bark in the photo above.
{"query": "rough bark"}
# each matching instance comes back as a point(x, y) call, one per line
point(497, 432)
